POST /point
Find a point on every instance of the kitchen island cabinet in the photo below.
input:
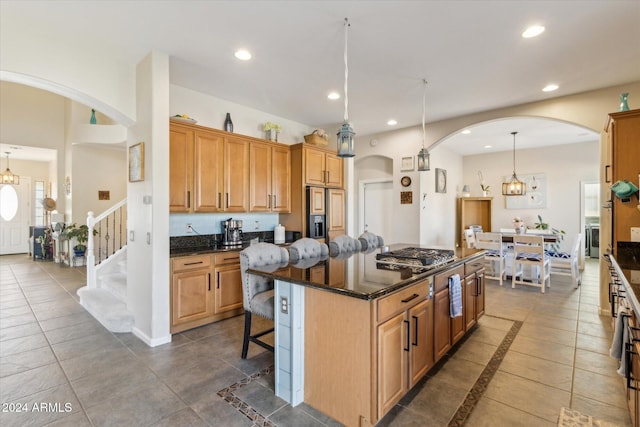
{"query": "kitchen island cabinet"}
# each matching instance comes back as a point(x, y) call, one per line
point(353, 351)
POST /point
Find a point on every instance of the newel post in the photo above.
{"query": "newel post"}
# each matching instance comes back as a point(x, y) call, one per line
point(91, 258)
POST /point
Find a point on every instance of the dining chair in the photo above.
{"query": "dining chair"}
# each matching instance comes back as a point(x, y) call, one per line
point(307, 248)
point(495, 255)
point(528, 250)
point(566, 263)
point(469, 237)
point(257, 291)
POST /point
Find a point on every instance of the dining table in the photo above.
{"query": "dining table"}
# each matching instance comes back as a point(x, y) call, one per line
point(548, 238)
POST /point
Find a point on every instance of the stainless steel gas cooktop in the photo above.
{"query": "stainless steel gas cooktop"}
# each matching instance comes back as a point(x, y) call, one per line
point(417, 257)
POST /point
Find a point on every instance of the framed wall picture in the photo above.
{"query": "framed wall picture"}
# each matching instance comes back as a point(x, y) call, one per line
point(406, 165)
point(441, 180)
point(136, 162)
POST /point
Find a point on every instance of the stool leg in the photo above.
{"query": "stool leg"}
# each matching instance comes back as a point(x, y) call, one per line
point(247, 333)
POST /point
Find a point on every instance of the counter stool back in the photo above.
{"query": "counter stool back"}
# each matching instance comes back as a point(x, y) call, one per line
point(257, 291)
point(307, 248)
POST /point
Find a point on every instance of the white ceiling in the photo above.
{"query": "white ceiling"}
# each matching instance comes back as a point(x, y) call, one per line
point(471, 52)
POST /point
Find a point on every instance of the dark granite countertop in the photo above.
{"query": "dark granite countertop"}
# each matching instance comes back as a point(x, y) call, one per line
point(629, 273)
point(360, 275)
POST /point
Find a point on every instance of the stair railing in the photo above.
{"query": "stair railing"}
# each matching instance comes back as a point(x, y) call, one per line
point(111, 227)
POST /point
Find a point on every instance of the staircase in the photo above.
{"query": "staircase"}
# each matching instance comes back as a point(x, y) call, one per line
point(105, 295)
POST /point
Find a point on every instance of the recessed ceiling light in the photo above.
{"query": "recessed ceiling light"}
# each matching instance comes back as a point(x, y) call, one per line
point(392, 122)
point(333, 96)
point(533, 31)
point(466, 132)
point(550, 88)
point(488, 146)
point(243, 55)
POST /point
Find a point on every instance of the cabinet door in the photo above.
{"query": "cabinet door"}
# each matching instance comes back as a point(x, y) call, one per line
point(314, 167)
point(457, 323)
point(421, 340)
point(228, 295)
point(480, 296)
point(236, 175)
point(335, 171)
point(392, 362)
point(208, 158)
point(180, 168)
point(470, 291)
point(260, 174)
point(281, 179)
point(441, 324)
point(316, 201)
point(336, 213)
point(191, 296)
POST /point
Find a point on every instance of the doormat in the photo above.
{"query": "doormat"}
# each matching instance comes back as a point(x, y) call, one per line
point(572, 418)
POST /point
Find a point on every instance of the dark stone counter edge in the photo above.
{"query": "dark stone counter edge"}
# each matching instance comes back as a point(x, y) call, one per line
point(377, 294)
point(202, 250)
point(632, 290)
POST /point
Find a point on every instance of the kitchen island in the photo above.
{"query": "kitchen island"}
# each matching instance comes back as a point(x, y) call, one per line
point(353, 335)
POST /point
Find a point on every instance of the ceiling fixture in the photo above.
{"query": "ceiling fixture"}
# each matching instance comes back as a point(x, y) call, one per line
point(7, 176)
point(333, 96)
point(346, 134)
point(514, 187)
point(392, 122)
point(423, 154)
point(550, 88)
point(466, 132)
point(533, 31)
point(243, 55)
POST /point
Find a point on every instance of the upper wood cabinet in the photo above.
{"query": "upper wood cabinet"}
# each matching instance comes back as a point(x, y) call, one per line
point(322, 168)
point(270, 178)
point(216, 171)
point(473, 211)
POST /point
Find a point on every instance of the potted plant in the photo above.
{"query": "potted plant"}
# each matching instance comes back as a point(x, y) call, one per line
point(81, 234)
point(272, 130)
point(483, 186)
point(540, 225)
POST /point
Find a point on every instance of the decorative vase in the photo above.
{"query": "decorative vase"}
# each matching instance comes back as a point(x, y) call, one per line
point(228, 124)
point(93, 120)
point(272, 135)
point(624, 106)
point(485, 193)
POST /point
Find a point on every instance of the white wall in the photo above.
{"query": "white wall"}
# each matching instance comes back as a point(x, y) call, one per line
point(94, 169)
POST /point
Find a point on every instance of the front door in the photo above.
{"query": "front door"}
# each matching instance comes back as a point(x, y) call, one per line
point(14, 217)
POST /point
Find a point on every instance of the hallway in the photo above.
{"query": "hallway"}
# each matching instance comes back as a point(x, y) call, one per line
point(531, 355)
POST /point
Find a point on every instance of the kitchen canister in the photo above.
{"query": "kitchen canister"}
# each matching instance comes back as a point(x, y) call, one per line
point(278, 234)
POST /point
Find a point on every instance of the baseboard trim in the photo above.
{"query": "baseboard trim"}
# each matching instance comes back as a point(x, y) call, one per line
point(151, 342)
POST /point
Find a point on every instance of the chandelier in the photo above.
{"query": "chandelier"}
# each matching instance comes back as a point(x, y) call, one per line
point(514, 187)
point(9, 177)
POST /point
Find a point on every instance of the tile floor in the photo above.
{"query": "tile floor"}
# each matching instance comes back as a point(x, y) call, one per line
point(530, 355)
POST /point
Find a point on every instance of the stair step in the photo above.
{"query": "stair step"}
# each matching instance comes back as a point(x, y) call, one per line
point(116, 283)
point(111, 312)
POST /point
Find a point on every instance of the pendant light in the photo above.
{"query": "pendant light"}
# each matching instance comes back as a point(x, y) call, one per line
point(423, 155)
point(346, 134)
point(7, 176)
point(514, 187)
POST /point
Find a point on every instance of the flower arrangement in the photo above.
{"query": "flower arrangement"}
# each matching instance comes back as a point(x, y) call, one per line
point(272, 126)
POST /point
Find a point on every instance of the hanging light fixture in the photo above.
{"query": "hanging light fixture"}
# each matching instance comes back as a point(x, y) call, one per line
point(7, 176)
point(423, 155)
point(514, 187)
point(346, 134)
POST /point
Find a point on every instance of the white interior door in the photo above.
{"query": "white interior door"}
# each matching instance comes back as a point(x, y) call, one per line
point(14, 217)
point(377, 209)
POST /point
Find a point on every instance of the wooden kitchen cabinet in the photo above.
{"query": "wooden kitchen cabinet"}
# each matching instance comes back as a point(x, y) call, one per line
point(181, 170)
point(316, 201)
point(270, 178)
point(208, 178)
point(473, 211)
point(447, 330)
point(336, 213)
point(228, 282)
point(191, 296)
point(405, 343)
point(236, 174)
point(322, 168)
point(473, 292)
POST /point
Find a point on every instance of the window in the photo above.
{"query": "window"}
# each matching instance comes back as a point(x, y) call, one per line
point(39, 197)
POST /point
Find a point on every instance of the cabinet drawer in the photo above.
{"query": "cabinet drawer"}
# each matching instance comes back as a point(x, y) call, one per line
point(442, 279)
point(227, 257)
point(402, 300)
point(191, 262)
point(473, 266)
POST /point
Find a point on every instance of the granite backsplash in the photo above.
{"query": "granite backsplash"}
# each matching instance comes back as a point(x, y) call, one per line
point(215, 240)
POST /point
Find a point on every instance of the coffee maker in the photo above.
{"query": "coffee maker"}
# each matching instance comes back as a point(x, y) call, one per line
point(232, 230)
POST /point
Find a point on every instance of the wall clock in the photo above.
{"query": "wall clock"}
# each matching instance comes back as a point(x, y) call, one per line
point(405, 181)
